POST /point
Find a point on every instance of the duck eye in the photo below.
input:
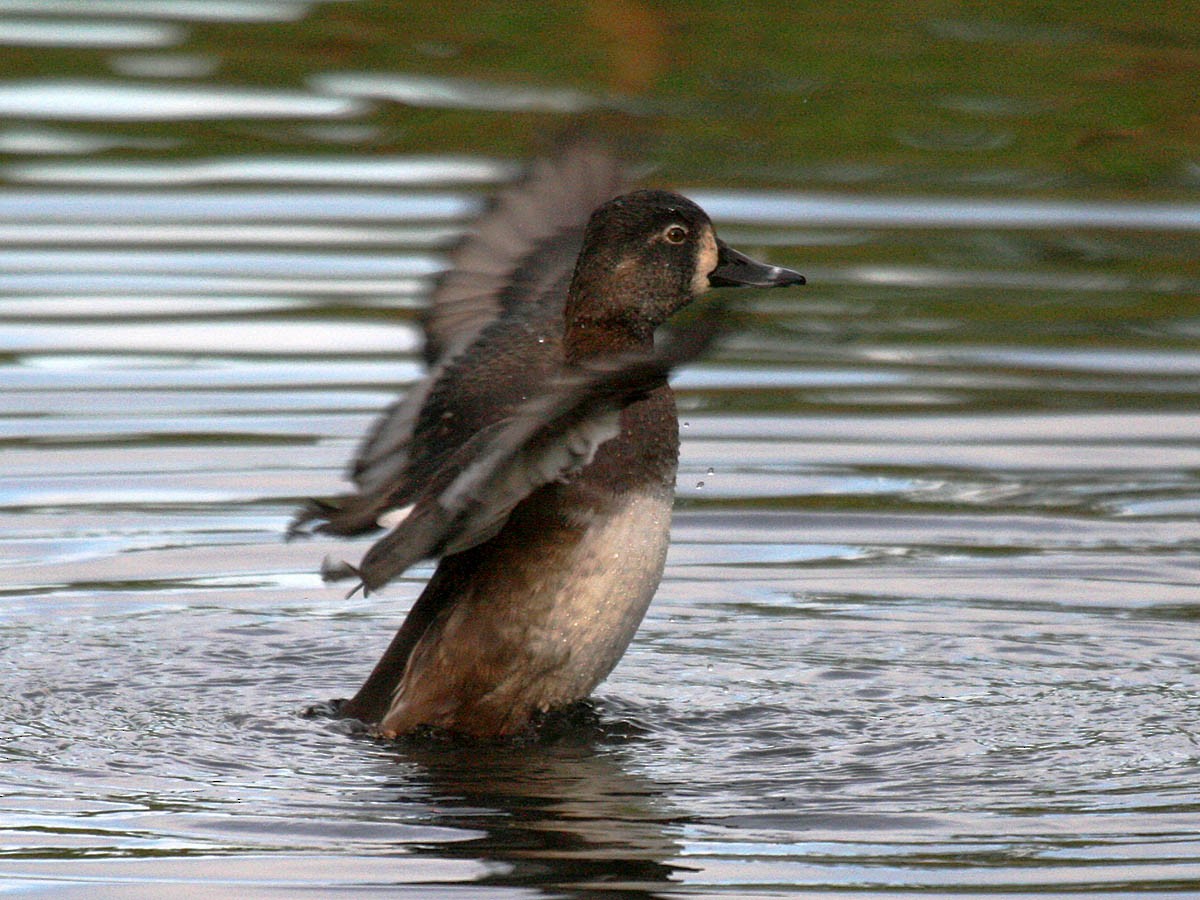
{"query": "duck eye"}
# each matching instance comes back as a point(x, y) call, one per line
point(676, 234)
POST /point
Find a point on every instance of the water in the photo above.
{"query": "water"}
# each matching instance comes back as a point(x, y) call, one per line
point(929, 618)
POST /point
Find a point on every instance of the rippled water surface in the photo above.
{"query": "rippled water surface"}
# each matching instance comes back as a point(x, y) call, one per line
point(930, 618)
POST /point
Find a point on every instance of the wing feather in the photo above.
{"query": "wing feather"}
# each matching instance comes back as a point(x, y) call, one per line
point(468, 500)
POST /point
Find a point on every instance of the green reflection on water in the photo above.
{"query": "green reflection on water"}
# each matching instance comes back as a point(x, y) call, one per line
point(1034, 96)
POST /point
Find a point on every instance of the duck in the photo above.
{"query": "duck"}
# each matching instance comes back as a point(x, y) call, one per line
point(536, 462)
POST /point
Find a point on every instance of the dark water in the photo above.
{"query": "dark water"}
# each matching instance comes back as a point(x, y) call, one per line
point(930, 619)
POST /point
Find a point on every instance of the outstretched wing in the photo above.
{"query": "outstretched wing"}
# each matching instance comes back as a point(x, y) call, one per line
point(505, 262)
point(469, 498)
point(523, 249)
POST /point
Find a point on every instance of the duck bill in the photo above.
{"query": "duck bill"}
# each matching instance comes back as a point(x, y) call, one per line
point(736, 269)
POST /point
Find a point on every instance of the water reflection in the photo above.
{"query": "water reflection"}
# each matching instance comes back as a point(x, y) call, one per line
point(218, 205)
point(419, 171)
point(450, 93)
point(184, 10)
point(89, 101)
point(930, 620)
point(47, 33)
point(562, 815)
point(921, 212)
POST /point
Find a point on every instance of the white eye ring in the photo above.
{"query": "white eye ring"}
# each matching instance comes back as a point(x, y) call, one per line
point(676, 234)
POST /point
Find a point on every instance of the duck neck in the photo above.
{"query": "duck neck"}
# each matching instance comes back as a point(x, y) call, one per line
point(588, 338)
point(596, 326)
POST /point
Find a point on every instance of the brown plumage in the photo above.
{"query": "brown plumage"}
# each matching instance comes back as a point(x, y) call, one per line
point(537, 460)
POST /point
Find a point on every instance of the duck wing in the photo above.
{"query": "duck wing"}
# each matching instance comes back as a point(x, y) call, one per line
point(521, 253)
point(467, 500)
point(517, 249)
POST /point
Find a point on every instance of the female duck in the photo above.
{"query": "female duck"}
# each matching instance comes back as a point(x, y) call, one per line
point(537, 461)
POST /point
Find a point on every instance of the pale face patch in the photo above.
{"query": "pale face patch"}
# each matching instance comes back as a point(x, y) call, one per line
point(707, 258)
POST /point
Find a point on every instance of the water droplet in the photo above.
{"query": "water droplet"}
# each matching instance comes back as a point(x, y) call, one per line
point(710, 471)
point(699, 485)
point(687, 424)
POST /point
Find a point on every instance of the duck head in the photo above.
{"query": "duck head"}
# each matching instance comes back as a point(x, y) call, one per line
point(645, 255)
